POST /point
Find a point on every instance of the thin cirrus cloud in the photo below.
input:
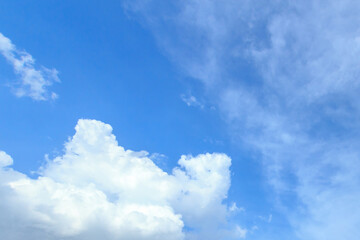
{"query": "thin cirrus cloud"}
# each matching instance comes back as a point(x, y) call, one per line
point(33, 82)
point(98, 189)
point(299, 109)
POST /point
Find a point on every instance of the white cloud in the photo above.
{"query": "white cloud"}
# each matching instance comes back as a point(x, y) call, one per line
point(33, 82)
point(234, 208)
point(5, 159)
point(191, 100)
point(300, 109)
point(240, 232)
point(97, 188)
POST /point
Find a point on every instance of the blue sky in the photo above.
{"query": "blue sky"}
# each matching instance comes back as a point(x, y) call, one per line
point(270, 85)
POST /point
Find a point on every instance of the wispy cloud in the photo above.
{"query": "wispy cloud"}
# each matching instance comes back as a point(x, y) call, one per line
point(234, 208)
point(191, 101)
point(266, 219)
point(300, 106)
point(33, 81)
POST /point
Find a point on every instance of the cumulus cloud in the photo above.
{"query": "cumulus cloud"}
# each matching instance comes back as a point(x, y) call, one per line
point(33, 81)
point(285, 75)
point(99, 189)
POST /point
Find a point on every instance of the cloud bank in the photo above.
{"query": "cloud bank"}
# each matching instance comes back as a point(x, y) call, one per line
point(97, 189)
point(33, 82)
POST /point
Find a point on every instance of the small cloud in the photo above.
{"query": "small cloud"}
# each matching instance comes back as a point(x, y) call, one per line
point(241, 232)
point(157, 156)
point(213, 141)
point(159, 159)
point(266, 219)
point(234, 208)
point(33, 82)
point(191, 101)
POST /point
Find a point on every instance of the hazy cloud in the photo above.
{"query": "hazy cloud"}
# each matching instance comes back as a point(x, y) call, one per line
point(191, 101)
point(285, 75)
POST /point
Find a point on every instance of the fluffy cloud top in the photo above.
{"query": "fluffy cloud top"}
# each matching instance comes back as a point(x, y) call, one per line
point(33, 82)
point(98, 188)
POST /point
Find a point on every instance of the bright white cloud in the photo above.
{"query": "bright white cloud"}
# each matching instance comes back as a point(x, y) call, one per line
point(98, 188)
point(33, 82)
point(300, 109)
